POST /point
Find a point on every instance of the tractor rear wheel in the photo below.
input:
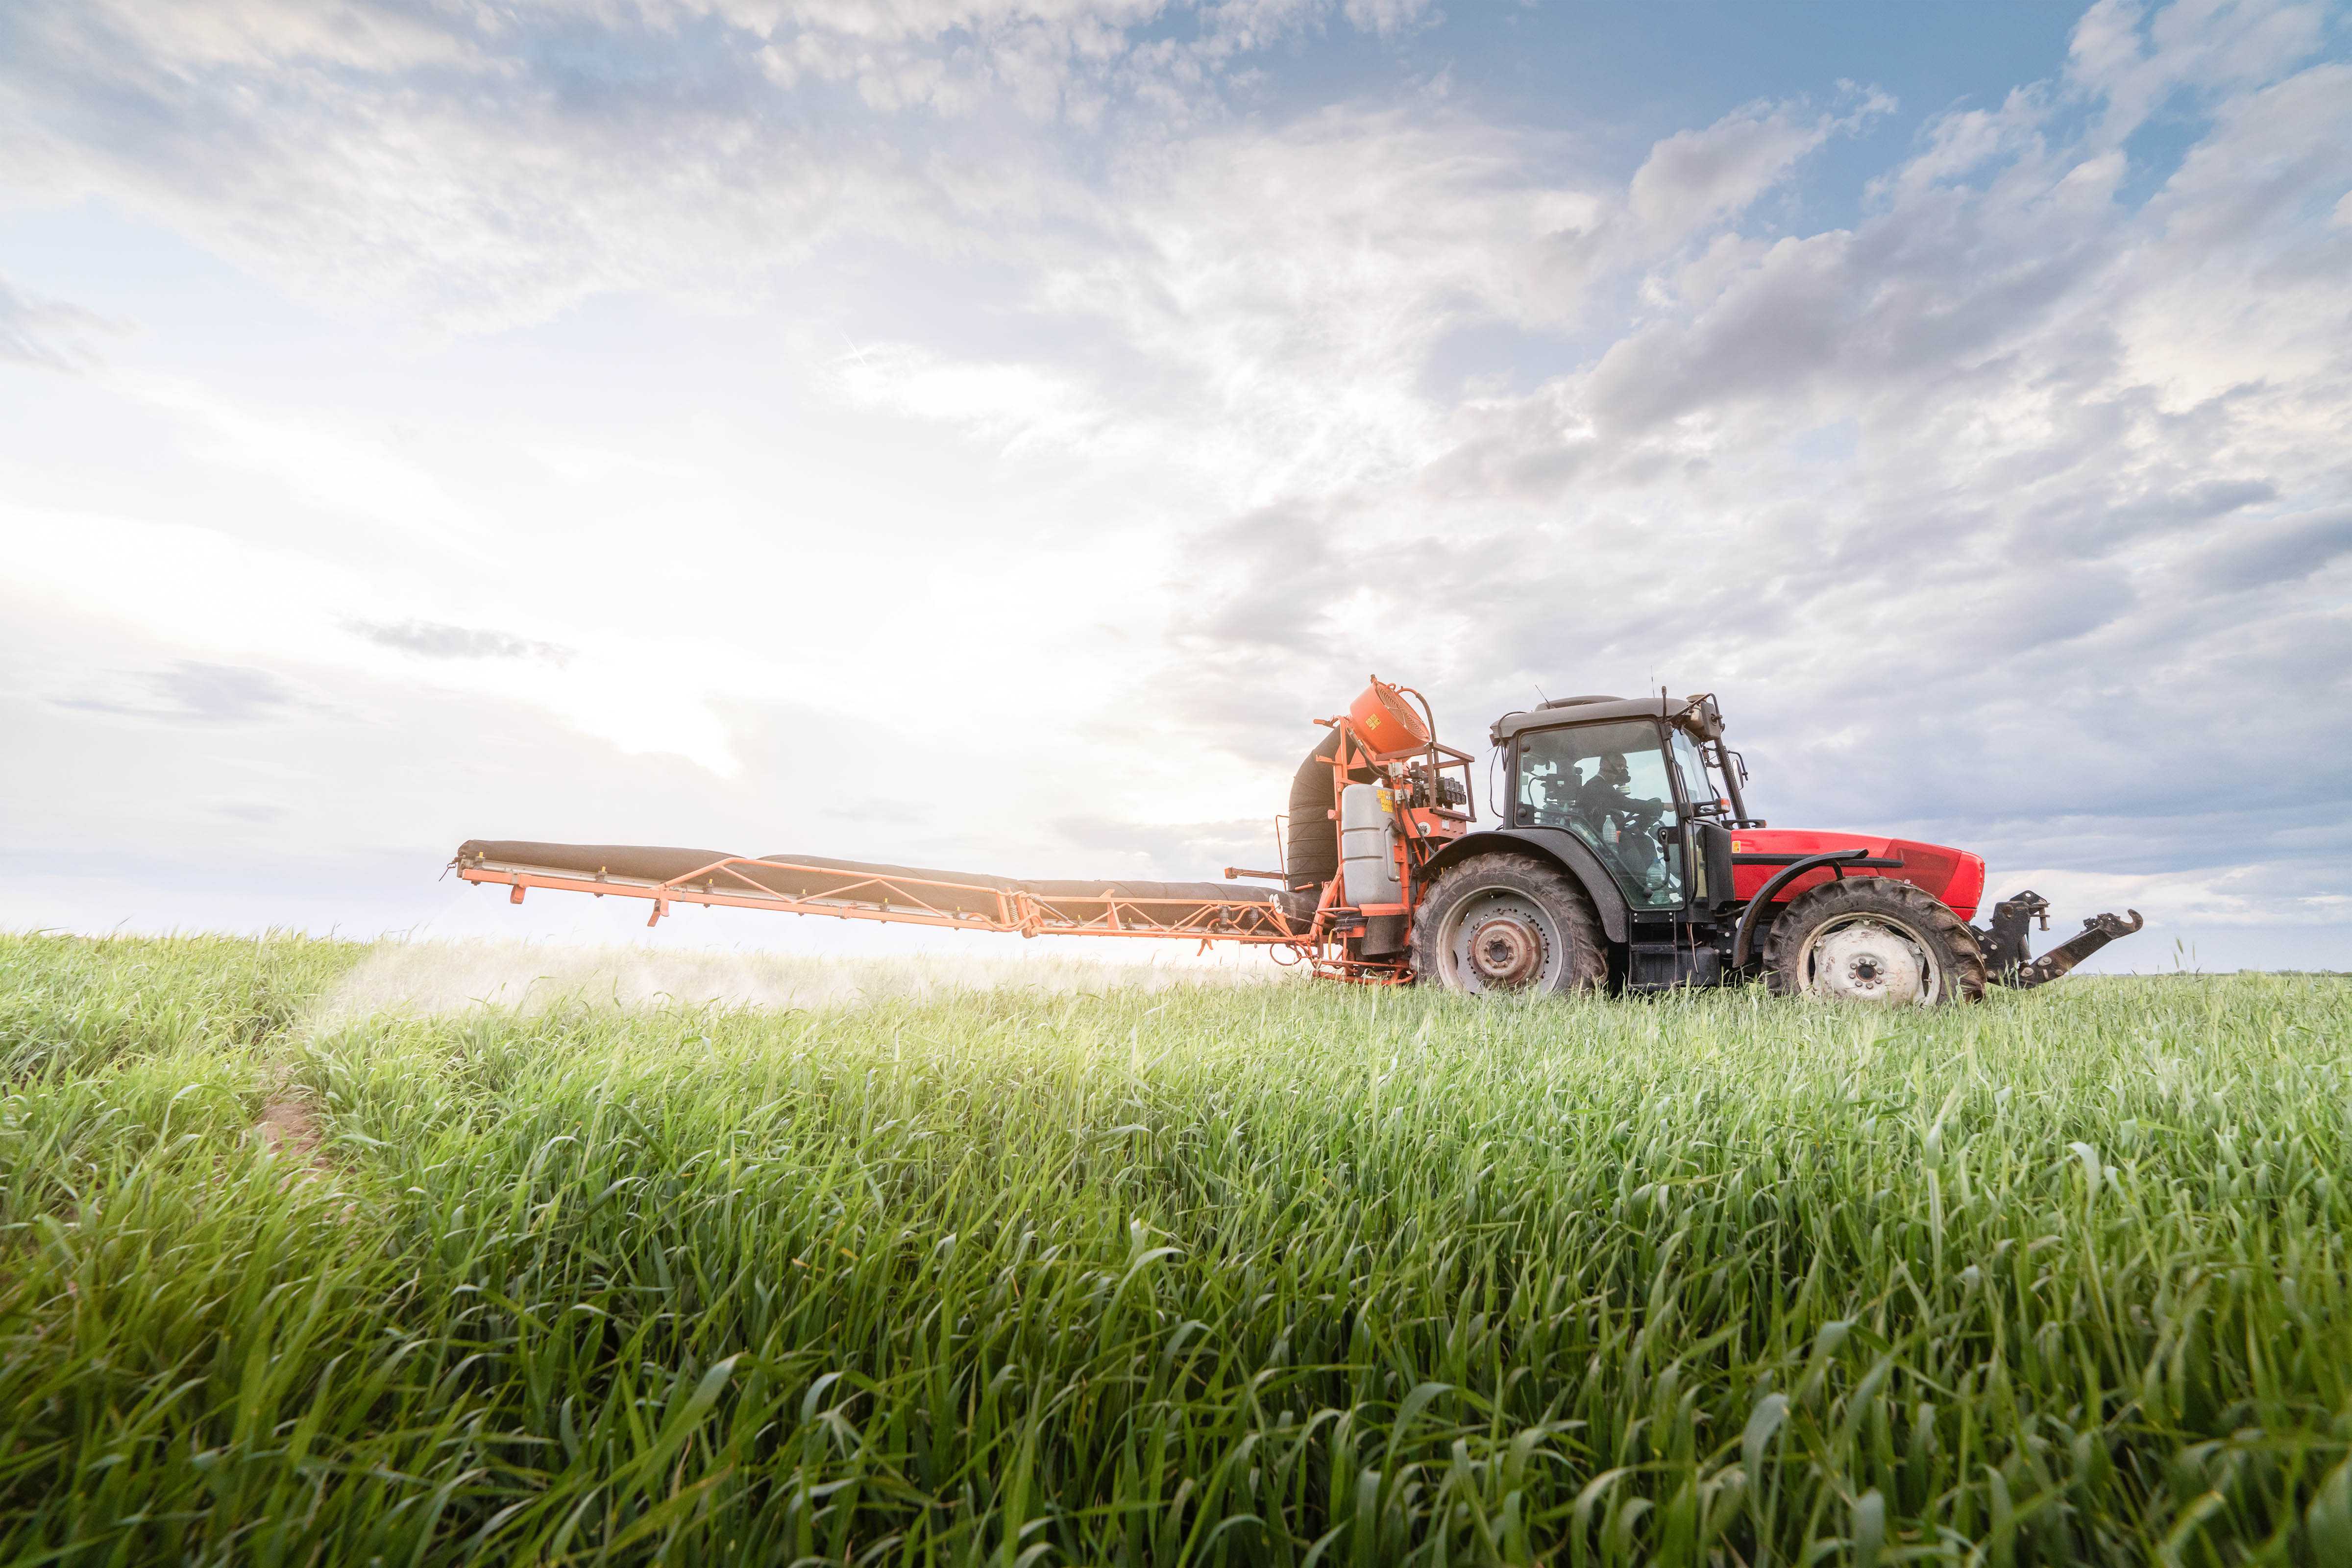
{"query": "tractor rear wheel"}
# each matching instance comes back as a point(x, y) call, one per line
point(1870, 938)
point(1508, 922)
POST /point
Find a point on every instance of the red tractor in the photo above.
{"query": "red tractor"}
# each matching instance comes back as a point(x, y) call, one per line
point(1624, 858)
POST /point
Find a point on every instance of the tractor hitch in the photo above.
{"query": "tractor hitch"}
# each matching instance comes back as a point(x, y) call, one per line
point(2008, 958)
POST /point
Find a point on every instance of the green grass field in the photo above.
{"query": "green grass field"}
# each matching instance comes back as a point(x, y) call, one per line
point(1245, 1274)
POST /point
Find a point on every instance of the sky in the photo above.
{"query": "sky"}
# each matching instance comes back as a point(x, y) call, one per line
point(989, 433)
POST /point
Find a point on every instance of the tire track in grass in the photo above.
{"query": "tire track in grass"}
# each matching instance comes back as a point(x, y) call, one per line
point(289, 1126)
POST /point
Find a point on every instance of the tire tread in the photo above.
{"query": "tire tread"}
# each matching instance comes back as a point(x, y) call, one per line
point(1587, 968)
point(1963, 954)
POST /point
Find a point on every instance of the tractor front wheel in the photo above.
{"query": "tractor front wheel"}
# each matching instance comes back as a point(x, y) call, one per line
point(1869, 939)
point(1508, 922)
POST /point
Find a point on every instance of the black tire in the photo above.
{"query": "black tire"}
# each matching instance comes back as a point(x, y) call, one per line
point(1871, 939)
point(1535, 930)
point(1312, 850)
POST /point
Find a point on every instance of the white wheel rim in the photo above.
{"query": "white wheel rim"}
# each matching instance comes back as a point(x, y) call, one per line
point(1870, 958)
point(1499, 939)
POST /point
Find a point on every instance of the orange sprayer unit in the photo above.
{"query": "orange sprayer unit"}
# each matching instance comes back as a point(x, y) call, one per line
point(1381, 741)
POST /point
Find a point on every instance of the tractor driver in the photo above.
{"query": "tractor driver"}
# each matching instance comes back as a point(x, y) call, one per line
point(1608, 785)
point(1603, 797)
point(1621, 824)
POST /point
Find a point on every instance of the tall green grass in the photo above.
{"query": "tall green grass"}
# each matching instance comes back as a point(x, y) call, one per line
point(1279, 1275)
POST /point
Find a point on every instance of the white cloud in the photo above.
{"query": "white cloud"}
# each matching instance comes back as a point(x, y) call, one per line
point(2234, 287)
point(50, 333)
point(1695, 177)
point(1015, 405)
point(271, 33)
point(2132, 59)
point(471, 168)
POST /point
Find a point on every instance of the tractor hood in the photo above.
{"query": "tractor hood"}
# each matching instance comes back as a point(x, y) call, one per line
point(1954, 876)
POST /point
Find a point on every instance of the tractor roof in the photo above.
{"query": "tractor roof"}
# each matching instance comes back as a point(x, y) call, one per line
point(1697, 714)
point(1582, 711)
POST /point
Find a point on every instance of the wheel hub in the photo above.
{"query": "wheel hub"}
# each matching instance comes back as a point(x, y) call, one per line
point(1505, 952)
point(1868, 962)
point(1499, 939)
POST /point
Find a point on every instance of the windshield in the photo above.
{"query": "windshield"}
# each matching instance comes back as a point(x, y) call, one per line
point(1696, 786)
point(1607, 783)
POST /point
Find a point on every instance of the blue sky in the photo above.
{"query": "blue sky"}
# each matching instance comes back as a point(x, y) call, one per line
point(987, 432)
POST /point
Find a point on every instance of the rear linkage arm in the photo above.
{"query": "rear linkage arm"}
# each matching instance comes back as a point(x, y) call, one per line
point(2007, 960)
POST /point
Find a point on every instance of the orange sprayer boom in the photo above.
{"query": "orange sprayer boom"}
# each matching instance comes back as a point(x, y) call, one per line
point(853, 890)
point(1380, 742)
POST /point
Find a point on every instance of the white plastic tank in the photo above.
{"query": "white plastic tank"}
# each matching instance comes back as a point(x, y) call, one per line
point(1367, 866)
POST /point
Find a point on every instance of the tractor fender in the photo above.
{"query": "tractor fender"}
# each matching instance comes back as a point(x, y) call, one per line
point(1556, 845)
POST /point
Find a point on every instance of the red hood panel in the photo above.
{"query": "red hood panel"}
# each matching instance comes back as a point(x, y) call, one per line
point(1955, 876)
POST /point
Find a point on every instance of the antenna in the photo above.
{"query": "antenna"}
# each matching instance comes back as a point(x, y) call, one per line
point(1539, 692)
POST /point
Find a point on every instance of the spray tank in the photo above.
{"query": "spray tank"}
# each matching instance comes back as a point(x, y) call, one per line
point(1385, 724)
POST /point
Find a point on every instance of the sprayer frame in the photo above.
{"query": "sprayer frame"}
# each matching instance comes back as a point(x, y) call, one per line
point(1335, 943)
point(1329, 940)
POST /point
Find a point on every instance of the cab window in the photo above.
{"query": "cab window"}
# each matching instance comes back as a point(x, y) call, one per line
point(1697, 787)
point(1608, 785)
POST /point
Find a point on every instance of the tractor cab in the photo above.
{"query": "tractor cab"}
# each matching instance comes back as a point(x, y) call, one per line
point(1639, 783)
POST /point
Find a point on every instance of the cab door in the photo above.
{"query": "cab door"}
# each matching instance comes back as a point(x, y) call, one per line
point(1612, 785)
point(1705, 844)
